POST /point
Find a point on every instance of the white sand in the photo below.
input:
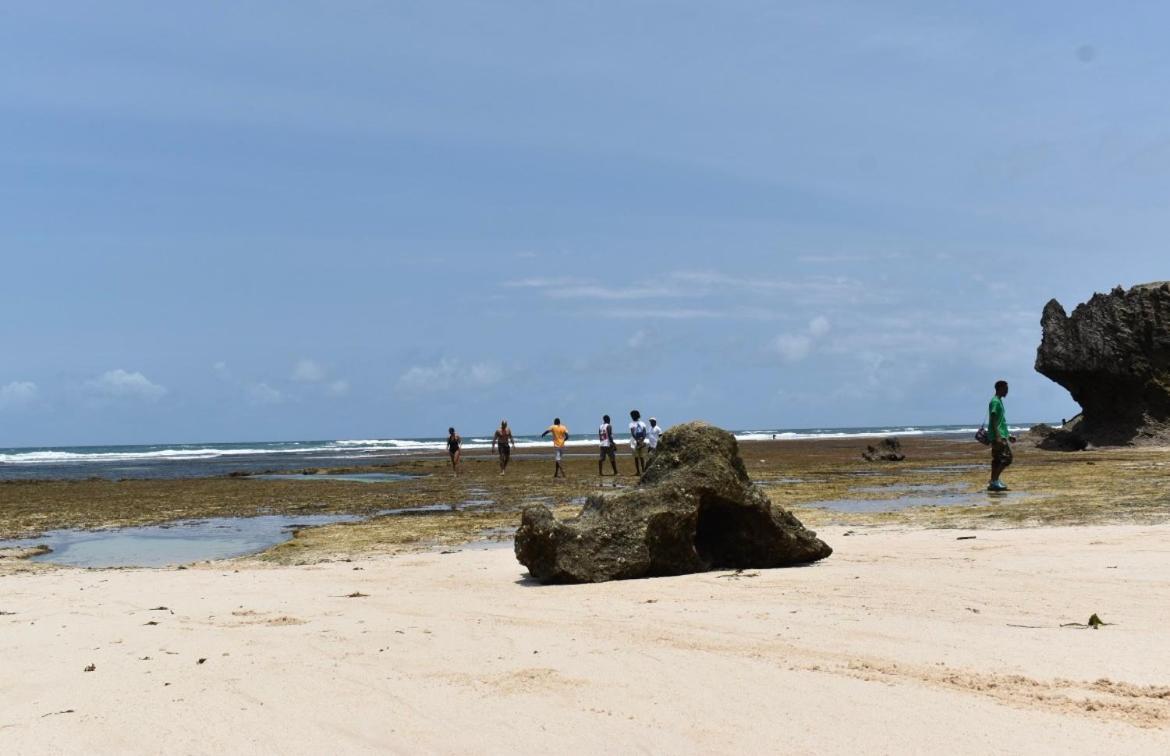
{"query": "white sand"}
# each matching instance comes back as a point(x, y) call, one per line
point(900, 642)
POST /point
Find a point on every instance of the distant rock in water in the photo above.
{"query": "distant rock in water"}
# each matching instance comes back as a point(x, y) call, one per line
point(887, 450)
point(1113, 356)
point(696, 509)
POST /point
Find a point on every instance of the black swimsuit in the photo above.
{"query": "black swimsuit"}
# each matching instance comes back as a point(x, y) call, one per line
point(453, 444)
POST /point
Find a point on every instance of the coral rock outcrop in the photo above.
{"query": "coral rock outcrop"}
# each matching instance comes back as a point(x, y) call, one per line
point(695, 509)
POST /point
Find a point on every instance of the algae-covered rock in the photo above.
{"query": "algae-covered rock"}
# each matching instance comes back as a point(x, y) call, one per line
point(1046, 437)
point(1113, 356)
point(695, 509)
point(886, 450)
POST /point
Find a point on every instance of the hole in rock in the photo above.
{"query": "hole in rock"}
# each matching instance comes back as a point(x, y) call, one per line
point(729, 534)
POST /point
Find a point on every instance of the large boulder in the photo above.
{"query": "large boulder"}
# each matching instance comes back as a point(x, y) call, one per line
point(696, 509)
point(1113, 356)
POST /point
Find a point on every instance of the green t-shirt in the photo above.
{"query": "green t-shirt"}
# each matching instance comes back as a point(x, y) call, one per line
point(996, 419)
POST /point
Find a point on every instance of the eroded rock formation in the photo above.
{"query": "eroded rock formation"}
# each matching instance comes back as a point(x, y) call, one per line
point(1113, 356)
point(696, 509)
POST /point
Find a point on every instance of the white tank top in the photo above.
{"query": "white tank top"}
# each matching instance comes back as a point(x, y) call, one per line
point(602, 435)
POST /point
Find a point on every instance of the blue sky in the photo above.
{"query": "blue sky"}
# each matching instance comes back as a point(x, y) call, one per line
point(297, 220)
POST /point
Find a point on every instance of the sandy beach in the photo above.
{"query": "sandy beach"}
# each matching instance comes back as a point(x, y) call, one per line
point(903, 641)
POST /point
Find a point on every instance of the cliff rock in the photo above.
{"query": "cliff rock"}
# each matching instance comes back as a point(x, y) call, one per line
point(1113, 356)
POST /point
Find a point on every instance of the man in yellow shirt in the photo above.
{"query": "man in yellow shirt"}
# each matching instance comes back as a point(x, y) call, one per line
point(560, 434)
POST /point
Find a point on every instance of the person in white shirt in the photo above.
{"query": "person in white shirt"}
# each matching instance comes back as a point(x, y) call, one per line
point(652, 437)
point(638, 435)
point(608, 446)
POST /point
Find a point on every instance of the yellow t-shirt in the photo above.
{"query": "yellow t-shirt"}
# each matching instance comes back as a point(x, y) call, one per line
point(558, 433)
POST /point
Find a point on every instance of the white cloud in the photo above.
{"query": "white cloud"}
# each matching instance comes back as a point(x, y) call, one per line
point(485, 374)
point(449, 373)
point(637, 340)
point(542, 283)
point(262, 393)
point(18, 394)
point(829, 259)
point(693, 285)
point(308, 371)
point(124, 384)
point(663, 313)
point(794, 347)
point(340, 387)
point(595, 292)
point(221, 369)
point(819, 326)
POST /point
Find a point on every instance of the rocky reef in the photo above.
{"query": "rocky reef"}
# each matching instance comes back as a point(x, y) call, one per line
point(695, 509)
point(1113, 356)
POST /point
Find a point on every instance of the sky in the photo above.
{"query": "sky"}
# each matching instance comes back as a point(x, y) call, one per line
point(316, 220)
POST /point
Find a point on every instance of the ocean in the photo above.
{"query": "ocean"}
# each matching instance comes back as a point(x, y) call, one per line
point(216, 459)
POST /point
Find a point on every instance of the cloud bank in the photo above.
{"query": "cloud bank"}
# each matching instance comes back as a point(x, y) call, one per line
point(122, 384)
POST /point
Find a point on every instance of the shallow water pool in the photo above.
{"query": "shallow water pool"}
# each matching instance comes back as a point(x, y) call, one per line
point(946, 489)
point(173, 543)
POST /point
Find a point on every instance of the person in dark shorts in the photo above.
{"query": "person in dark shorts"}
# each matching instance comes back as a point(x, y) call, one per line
point(503, 443)
point(454, 441)
point(608, 446)
point(639, 432)
point(1001, 438)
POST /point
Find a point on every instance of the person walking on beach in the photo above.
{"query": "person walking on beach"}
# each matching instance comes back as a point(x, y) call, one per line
point(608, 446)
point(560, 434)
point(653, 435)
point(503, 443)
point(1001, 439)
point(454, 440)
point(638, 435)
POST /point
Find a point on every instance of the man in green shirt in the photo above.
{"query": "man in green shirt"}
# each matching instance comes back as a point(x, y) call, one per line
point(1001, 439)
